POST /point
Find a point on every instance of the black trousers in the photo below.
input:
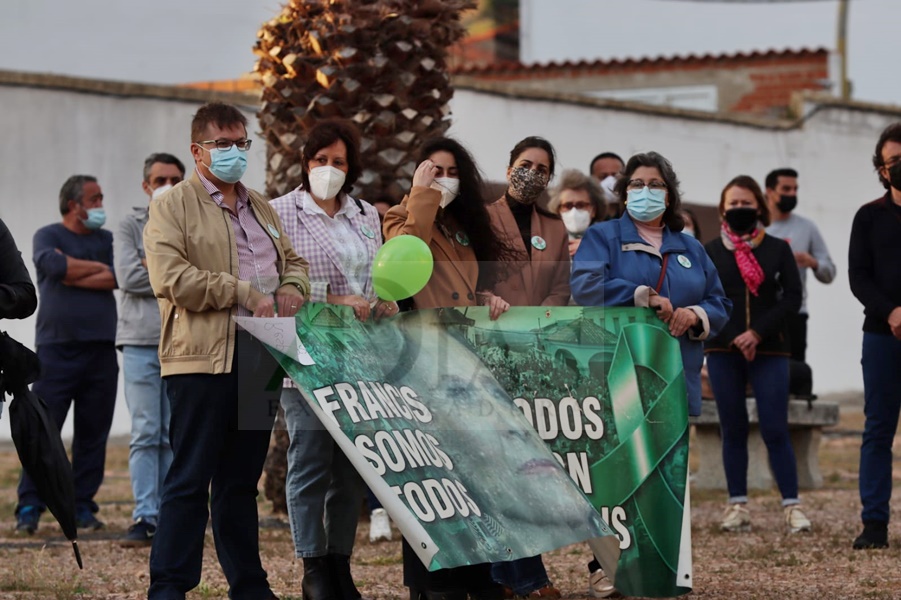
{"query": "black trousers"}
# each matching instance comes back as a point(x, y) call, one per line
point(219, 430)
point(468, 579)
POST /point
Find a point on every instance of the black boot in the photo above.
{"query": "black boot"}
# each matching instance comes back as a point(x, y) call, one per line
point(342, 580)
point(874, 535)
point(317, 579)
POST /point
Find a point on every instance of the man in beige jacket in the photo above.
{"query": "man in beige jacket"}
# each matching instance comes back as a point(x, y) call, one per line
point(216, 249)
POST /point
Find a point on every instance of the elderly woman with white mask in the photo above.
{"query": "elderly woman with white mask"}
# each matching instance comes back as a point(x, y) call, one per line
point(579, 201)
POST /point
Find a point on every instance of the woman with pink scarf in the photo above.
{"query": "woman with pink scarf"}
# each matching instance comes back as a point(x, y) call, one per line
point(759, 275)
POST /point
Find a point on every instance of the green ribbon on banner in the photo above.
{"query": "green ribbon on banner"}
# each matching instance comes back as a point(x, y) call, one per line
point(647, 436)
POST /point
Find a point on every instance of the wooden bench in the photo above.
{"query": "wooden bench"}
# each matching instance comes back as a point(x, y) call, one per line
point(805, 420)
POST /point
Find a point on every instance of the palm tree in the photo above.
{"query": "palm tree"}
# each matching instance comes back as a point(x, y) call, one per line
point(380, 63)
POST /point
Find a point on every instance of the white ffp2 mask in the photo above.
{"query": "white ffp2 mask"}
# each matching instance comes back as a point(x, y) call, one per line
point(449, 188)
point(160, 191)
point(576, 220)
point(326, 182)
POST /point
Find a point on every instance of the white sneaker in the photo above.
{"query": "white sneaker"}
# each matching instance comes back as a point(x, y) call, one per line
point(379, 526)
point(600, 586)
point(796, 520)
point(736, 518)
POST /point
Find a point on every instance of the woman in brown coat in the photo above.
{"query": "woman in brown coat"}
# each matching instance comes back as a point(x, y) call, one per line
point(538, 274)
point(446, 210)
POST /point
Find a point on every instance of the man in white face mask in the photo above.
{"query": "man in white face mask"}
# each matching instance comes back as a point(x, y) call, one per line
point(138, 336)
point(580, 202)
point(606, 168)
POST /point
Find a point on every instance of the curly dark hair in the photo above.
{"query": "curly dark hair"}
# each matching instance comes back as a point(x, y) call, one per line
point(469, 209)
point(672, 216)
point(324, 134)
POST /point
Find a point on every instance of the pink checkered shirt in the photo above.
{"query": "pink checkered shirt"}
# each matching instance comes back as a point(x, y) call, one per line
point(257, 256)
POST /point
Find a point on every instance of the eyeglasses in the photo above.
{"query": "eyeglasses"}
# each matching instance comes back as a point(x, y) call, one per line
point(568, 206)
point(637, 184)
point(223, 145)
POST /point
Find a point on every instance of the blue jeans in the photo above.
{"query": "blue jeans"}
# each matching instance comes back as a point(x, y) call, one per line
point(881, 361)
point(86, 375)
point(523, 575)
point(323, 490)
point(149, 452)
point(219, 430)
point(729, 375)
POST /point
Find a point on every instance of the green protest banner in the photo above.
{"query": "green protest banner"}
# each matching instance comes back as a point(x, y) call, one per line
point(429, 407)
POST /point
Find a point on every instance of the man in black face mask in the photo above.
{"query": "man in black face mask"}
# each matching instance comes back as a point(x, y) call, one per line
point(875, 277)
point(806, 242)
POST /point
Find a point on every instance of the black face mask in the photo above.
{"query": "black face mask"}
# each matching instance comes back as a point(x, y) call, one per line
point(894, 176)
point(787, 204)
point(741, 220)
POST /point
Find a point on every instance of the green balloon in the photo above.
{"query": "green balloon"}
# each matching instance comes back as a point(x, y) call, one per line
point(402, 267)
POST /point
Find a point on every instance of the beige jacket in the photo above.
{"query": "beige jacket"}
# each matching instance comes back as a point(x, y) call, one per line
point(192, 261)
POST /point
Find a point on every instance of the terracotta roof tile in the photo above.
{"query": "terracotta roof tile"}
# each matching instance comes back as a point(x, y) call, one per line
point(514, 68)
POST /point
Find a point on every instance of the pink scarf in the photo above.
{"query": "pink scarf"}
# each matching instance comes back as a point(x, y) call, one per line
point(742, 246)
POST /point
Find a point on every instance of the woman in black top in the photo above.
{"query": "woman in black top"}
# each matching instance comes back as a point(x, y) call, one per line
point(759, 275)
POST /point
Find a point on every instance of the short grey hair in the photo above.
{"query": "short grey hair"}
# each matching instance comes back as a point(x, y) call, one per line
point(573, 179)
point(166, 159)
point(73, 190)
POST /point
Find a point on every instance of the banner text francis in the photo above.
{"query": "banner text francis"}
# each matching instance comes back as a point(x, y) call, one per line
point(409, 448)
point(401, 449)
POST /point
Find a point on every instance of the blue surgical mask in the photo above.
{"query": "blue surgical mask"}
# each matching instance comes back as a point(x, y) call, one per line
point(228, 165)
point(95, 219)
point(646, 204)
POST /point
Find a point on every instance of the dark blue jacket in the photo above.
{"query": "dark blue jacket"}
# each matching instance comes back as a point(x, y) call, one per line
point(614, 266)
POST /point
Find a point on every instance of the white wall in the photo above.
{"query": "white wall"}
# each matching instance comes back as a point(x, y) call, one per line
point(832, 152)
point(52, 134)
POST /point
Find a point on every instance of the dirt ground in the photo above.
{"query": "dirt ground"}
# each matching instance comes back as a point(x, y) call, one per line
point(766, 563)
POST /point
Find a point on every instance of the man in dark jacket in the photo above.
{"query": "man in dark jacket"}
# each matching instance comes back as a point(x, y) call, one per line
point(875, 276)
point(17, 296)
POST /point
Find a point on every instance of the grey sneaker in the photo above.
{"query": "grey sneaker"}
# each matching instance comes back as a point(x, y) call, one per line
point(796, 520)
point(736, 518)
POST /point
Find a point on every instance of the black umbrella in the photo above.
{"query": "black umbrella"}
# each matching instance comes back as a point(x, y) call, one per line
point(36, 437)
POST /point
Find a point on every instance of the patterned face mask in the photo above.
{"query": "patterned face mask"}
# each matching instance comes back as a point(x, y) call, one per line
point(527, 184)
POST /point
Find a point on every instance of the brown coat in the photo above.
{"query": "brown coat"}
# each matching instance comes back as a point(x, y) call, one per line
point(542, 280)
point(456, 271)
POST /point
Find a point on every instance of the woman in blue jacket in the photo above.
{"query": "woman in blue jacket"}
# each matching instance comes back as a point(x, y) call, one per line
point(643, 259)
